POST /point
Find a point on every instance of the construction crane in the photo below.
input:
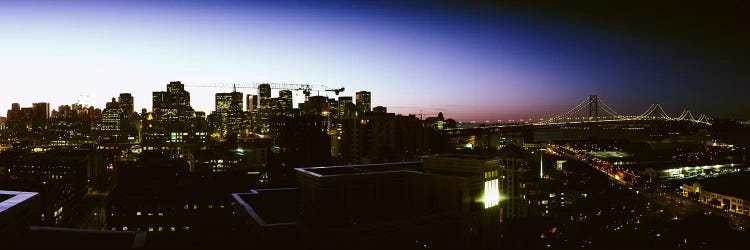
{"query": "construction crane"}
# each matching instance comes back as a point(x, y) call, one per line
point(305, 88)
point(421, 115)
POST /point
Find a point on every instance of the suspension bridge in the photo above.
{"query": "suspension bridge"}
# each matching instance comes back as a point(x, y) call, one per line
point(594, 109)
point(591, 111)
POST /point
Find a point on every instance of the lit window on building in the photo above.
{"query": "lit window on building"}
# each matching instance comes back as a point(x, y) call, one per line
point(491, 193)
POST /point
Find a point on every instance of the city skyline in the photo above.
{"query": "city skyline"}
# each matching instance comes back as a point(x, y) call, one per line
point(414, 58)
point(374, 124)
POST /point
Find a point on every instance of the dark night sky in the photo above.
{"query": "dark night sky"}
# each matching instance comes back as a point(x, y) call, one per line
point(475, 60)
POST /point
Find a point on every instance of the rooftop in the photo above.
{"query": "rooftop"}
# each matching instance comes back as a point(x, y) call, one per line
point(10, 199)
point(735, 185)
point(4, 197)
point(361, 169)
point(464, 157)
point(270, 206)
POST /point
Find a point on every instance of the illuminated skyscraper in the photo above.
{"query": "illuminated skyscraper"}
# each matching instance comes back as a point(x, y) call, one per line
point(229, 102)
point(228, 115)
point(264, 93)
point(173, 104)
point(112, 116)
point(364, 103)
point(343, 101)
point(285, 97)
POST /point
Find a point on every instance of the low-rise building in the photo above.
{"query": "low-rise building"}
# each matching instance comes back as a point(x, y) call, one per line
point(722, 193)
point(445, 201)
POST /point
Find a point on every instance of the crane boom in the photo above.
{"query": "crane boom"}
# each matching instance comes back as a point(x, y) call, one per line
point(305, 88)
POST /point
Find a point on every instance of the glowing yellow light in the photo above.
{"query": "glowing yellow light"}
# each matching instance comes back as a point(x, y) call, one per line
point(491, 195)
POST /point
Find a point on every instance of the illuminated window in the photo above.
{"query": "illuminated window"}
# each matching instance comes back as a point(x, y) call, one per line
point(138, 213)
point(491, 193)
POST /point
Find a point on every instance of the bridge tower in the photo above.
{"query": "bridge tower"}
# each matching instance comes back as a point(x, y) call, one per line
point(594, 116)
point(594, 107)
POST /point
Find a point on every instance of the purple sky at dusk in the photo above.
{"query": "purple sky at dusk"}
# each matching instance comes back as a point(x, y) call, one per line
point(469, 62)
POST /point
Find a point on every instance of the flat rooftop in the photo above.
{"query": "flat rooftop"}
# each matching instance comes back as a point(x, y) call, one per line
point(362, 169)
point(463, 156)
point(270, 206)
point(735, 185)
point(4, 197)
point(9, 199)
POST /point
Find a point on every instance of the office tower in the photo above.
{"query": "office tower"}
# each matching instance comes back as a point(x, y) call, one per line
point(285, 97)
point(343, 100)
point(224, 102)
point(249, 103)
point(40, 115)
point(229, 102)
point(14, 111)
point(112, 116)
point(173, 104)
point(126, 104)
point(228, 115)
point(264, 93)
point(363, 101)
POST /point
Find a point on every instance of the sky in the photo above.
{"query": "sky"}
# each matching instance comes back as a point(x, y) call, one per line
point(469, 60)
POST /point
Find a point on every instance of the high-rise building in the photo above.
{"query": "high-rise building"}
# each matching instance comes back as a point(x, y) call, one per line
point(264, 92)
point(250, 103)
point(40, 115)
point(343, 101)
point(229, 102)
point(228, 115)
point(14, 110)
point(364, 103)
point(263, 113)
point(126, 104)
point(112, 116)
point(285, 97)
point(173, 104)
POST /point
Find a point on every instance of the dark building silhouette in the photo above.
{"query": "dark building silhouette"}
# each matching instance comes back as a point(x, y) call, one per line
point(125, 100)
point(364, 102)
point(444, 202)
point(384, 137)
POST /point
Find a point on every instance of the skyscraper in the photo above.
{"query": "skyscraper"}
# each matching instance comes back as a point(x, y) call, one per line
point(226, 102)
point(126, 104)
point(228, 115)
point(285, 97)
point(40, 115)
point(343, 101)
point(250, 103)
point(173, 104)
point(364, 103)
point(264, 92)
point(112, 116)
